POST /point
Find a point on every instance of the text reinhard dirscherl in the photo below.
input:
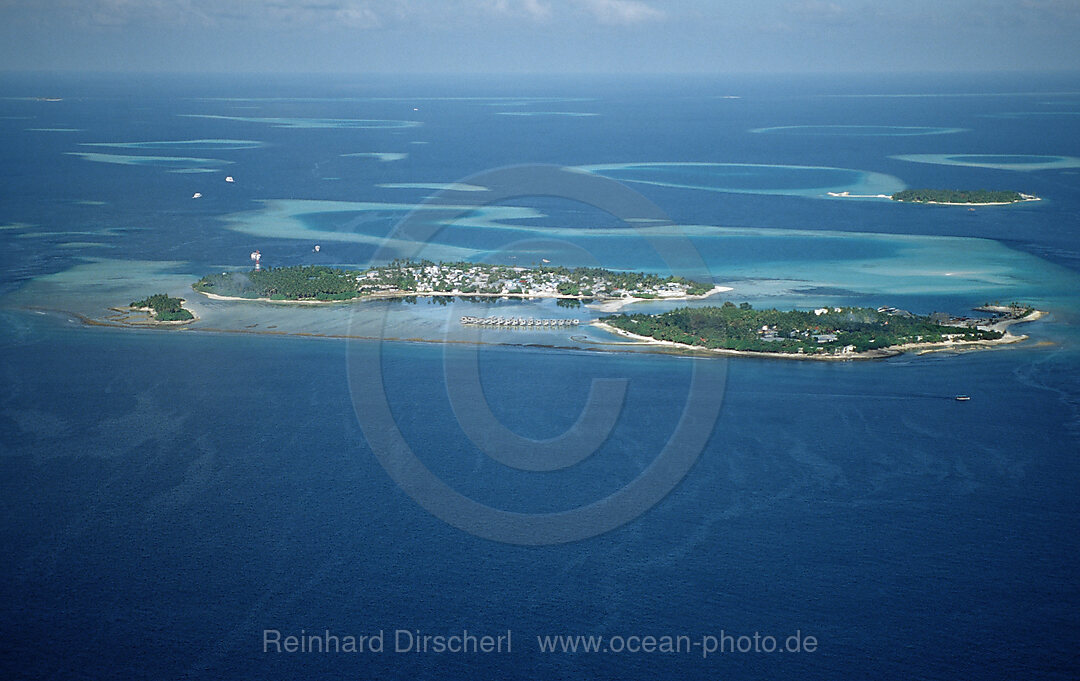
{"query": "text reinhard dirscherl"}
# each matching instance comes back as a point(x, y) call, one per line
point(466, 642)
point(401, 641)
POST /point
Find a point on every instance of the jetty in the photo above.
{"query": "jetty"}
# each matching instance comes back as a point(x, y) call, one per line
point(518, 322)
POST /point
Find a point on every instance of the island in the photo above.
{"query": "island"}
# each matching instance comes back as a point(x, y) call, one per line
point(163, 308)
point(960, 197)
point(822, 333)
point(400, 278)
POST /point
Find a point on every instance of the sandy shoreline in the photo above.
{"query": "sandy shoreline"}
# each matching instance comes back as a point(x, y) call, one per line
point(1004, 324)
point(616, 304)
point(123, 317)
point(891, 351)
point(640, 343)
point(214, 296)
point(607, 305)
point(849, 195)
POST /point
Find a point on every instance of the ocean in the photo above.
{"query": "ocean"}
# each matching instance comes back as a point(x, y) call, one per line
point(171, 495)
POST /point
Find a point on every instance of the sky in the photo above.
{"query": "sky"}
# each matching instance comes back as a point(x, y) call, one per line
point(540, 36)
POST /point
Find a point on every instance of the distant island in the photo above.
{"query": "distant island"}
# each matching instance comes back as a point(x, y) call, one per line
point(958, 197)
point(319, 284)
point(823, 333)
point(163, 308)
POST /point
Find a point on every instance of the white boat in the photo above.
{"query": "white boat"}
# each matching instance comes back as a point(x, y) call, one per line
point(230, 179)
point(196, 195)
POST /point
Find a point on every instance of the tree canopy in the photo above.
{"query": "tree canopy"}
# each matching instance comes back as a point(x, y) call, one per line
point(740, 327)
point(957, 196)
point(165, 308)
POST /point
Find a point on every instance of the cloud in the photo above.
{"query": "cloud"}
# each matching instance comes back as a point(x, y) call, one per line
point(607, 12)
point(829, 13)
point(124, 12)
point(208, 13)
point(1050, 13)
point(536, 10)
point(354, 14)
point(622, 12)
point(336, 14)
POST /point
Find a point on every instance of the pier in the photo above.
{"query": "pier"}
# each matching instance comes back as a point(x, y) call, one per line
point(519, 322)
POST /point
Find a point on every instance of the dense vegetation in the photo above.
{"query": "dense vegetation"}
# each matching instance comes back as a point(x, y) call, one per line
point(744, 328)
point(404, 276)
point(165, 309)
point(310, 282)
point(957, 196)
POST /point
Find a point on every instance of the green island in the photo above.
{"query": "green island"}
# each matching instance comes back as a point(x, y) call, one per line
point(961, 197)
point(311, 283)
point(826, 333)
point(823, 333)
point(164, 308)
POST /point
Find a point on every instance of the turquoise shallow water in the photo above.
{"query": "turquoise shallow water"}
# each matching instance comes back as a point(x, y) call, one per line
point(859, 130)
point(299, 122)
point(181, 144)
point(997, 161)
point(753, 178)
point(176, 162)
point(169, 494)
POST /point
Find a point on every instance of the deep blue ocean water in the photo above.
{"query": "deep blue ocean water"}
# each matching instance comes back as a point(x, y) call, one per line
point(169, 495)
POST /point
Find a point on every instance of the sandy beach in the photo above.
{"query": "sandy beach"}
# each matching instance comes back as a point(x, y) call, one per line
point(124, 316)
point(214, 296)
point(606, 305)
point(616, 304)
point(849, 195)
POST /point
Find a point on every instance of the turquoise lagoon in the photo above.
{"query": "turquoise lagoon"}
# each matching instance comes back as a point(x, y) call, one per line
point(859, 130)
point(309, 123)
point(384, 156)
point(223, 144)
point(1024, 162)
point(752, 178)
point(177, 163)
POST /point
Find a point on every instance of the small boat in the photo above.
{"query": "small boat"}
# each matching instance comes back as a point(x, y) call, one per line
point(230, 179)
point(196, 195)
point(962, 398)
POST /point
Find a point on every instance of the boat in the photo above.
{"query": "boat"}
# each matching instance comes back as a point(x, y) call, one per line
point(962, 398)
point(196, 195)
